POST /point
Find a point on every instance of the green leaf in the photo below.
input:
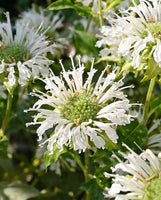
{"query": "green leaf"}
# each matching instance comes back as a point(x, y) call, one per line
point(67, 4)
point(132, 134)
point(111, 4)
point(17, 191)
point(156, 105)
point(51, 158)
point(103, 157)
point(111, 58)
point(85, 42)
point(126, 66)
point(152, 71)
point(109, 144)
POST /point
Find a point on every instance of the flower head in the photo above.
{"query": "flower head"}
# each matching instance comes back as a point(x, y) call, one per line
point(136, 35)
point(81, 112)
point(139, 178)
point(22, 55)
point(49, 22)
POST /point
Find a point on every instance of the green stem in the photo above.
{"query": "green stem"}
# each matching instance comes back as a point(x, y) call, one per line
point(78, 160)
point(7, 115)
point(86, 173)
point(84, 168)
point(88, 24)
point(148, 99)
point(100, 13)
point(22, 92)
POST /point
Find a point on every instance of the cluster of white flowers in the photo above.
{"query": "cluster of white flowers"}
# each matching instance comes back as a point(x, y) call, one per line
point(139, 177)
point(23, 54)
point(81, 110)
point(136, 34)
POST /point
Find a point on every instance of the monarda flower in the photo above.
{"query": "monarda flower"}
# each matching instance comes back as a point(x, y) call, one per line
point(23, 54)
point(82, 112)
point(136, 35)
point(49, 21)
point(138, 177)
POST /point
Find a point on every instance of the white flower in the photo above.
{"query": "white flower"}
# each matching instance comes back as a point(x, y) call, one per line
point(50, 22)
point(82, 112)
point(139, 177)
point(22, 55)
point(136, 34)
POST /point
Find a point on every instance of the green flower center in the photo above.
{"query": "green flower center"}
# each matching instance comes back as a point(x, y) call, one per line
point(155, 29)
point(80, 108)
point(14, 53)
point(153, 189)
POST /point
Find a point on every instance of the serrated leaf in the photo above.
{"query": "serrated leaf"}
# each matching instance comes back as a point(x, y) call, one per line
point(51, 158)
point(67, 4)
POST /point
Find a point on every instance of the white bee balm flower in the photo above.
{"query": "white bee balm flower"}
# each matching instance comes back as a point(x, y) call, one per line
point(136, 35)
point(139, 178)
point(37, 16)
point(82, 112)
point(22, 55)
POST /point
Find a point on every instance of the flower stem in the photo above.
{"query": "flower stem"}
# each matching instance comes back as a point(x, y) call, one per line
point(86, 172)
point(78, 160)
point(148, 98)
point(7, 115)
point(22, 92)
point(88, 24)
point(100, 13)
point(84, 168)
